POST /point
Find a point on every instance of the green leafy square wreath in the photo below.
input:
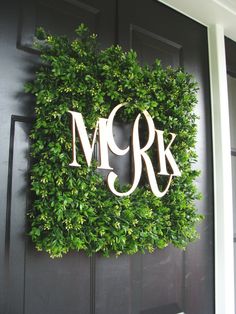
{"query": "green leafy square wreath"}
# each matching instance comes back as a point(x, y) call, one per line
point(73, 209)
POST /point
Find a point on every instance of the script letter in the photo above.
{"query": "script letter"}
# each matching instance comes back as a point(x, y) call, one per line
point(165, 154)
point(78, 123)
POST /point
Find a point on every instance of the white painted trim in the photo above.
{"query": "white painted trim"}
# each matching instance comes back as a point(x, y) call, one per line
point(219, 23)
point(226, 6)
point(224, 249)
point(224, 254)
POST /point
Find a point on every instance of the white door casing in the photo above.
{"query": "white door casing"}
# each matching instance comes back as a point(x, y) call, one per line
point(219, 16)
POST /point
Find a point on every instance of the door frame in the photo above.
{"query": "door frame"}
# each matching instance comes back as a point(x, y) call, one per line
point(223, 205)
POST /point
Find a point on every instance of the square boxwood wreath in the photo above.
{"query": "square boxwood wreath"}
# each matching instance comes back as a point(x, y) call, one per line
point(73, 208)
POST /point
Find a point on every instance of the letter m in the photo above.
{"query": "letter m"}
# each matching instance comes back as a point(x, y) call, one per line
point(78, 123)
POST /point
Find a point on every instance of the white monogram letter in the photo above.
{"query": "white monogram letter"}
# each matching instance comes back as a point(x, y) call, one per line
point(77, 120)
point(164, 154)
point(138, 154)
point(106, 139)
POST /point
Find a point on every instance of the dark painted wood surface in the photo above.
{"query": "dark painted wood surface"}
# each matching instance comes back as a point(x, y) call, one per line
point(166, 282)
point(230, 49)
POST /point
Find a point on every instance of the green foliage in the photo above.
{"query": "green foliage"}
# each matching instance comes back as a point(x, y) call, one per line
point(73, 208)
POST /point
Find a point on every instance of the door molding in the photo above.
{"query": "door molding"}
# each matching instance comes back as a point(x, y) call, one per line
point(224, 250)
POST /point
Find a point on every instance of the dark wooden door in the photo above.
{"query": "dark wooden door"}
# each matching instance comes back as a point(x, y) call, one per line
point(166, 282)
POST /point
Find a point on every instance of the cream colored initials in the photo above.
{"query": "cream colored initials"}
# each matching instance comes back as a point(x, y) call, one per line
point(78, 122)
point(140, 156)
